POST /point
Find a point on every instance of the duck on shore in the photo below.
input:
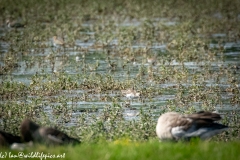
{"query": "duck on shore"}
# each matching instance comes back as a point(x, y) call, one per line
point(175, 126)
point(30, 131)
point(7, 139)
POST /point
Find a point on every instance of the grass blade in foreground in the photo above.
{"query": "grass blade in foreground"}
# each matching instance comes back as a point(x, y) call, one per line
point(123, 149)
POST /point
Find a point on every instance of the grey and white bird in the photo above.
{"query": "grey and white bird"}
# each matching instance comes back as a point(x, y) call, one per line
point(131, 93)
point(174, 126)
point(30, 131)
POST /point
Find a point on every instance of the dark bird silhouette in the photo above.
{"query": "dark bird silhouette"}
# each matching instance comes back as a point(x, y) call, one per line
point(30, 131)
point(6, 139)
point(174, 126)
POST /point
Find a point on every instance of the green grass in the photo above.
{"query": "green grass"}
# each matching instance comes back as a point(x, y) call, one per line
point(153, 149)
point(186, 41)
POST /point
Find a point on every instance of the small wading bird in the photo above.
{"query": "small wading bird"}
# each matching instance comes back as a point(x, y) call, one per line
point(57, 41)
point(14, 24)
point(130, 93)
point(7, 139)
point(174, 126)
point(152, 60)
point(30, 131)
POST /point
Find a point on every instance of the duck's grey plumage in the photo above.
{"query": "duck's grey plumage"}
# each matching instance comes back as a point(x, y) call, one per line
point(6, 139)
point(175, 126)
point(30, 131)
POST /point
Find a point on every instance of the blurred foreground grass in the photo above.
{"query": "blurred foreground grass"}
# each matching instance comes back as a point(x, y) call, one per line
point(153, 149)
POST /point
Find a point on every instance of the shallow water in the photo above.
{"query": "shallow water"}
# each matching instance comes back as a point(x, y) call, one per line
point(39, 61)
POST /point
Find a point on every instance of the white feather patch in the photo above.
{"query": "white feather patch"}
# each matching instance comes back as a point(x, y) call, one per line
point(178, 132)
